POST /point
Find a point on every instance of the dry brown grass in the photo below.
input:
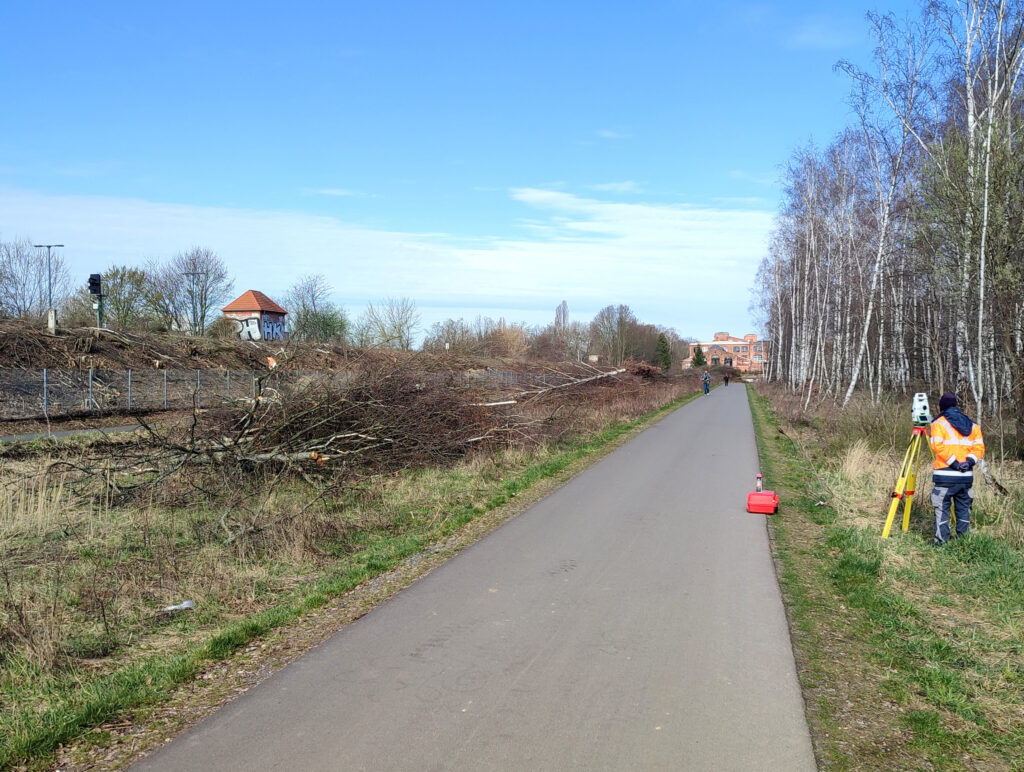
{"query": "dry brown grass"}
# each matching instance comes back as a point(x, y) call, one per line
point(34, 506)
point(860, 450)
point(860, 482)
point(857, 483)
point(1003, 514)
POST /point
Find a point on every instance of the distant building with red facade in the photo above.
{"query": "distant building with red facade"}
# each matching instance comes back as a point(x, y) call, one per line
point(259, 317)
point(746, 354)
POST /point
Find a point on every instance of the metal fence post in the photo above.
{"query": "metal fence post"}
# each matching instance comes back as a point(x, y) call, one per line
point(129, 389)
point(165, 389)
point(46, 405)
point(91, 400)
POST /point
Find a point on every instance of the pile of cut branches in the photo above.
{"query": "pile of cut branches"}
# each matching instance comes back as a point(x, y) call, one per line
point(382, 419)
point(329, 430)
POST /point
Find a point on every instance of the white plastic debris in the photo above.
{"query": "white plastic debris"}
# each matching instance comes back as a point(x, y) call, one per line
point(185, 605)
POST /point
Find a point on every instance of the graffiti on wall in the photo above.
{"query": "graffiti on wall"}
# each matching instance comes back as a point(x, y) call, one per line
point(249, 329)
point(254, 329)
point(272, 330)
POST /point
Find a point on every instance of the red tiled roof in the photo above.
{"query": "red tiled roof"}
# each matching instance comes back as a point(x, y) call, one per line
point(253, 300)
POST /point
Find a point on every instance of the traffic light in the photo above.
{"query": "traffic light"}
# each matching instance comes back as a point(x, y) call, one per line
point(94, 284)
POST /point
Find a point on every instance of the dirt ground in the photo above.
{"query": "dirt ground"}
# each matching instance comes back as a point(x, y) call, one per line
point(81, 423)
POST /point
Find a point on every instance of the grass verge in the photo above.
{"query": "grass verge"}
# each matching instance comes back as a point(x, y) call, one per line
point(910, 657)
point(45, 710)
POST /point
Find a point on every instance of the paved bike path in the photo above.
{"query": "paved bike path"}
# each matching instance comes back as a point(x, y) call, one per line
point(630, 620)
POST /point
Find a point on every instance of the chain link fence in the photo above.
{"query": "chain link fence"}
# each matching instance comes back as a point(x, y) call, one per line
point(51, 392)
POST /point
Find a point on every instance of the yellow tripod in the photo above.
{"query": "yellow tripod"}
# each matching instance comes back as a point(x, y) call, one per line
point(904, 491)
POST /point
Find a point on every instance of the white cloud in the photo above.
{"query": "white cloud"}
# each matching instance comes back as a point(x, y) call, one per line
point(682, 266)
point(610, 134)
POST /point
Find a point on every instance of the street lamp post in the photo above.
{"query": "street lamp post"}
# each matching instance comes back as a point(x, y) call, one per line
point(49, 273)
point(195, 315)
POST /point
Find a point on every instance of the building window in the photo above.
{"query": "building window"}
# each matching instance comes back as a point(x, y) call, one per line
point(728, 361)
point(736, 349)
point(714, 360)
point(744, 348)
point(757, 357)
point(757, 348)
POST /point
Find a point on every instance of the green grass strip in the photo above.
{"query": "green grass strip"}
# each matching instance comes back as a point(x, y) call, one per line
point(943, 669)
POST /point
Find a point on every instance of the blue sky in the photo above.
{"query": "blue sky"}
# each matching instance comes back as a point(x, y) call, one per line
point(478, 157)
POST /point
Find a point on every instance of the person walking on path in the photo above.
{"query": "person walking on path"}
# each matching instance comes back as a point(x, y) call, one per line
point(706, 378)
point(726, 379)
point(958, 445)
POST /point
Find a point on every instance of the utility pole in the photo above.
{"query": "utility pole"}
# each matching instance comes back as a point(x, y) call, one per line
point(192, 297)
point(51, 314)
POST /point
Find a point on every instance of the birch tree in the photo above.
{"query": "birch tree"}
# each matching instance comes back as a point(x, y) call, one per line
point(901, 57)
point(897, 255)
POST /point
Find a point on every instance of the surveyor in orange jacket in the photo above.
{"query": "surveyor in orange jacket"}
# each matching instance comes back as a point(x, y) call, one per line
point(957, 444)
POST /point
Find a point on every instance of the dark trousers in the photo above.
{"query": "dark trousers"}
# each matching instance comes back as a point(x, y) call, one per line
point(960, 495)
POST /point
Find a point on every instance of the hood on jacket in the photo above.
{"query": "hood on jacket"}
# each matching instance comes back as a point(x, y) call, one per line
point(958, 420)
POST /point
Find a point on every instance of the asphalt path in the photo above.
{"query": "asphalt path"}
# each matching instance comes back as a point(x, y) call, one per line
point(629, 621)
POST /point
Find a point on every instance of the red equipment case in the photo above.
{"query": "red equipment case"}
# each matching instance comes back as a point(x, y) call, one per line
point(761, 501)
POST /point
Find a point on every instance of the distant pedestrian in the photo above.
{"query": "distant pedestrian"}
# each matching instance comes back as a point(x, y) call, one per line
point(958, 445)
point(726, 379)
point(706, 379)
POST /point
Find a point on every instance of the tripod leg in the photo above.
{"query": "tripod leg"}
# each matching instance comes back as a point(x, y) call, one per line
point(897, 495)
point(915, 457)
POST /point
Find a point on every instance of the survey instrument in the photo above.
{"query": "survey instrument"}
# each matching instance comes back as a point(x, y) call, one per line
point(904, 491)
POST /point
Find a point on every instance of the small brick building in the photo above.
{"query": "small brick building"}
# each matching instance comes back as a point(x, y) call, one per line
point(746, 354)
point(259, 316)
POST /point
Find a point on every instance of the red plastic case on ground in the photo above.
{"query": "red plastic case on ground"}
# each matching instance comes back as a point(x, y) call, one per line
point(763, 502)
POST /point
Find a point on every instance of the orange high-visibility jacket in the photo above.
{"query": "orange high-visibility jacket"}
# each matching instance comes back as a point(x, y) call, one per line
point(950, 446)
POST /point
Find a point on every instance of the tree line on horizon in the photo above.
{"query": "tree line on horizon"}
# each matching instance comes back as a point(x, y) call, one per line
point(186, 292)
point(897, 255)
point(614, 334)
point(181, 293)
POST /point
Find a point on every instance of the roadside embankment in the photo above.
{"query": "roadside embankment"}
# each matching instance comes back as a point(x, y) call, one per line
point(910, 656)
